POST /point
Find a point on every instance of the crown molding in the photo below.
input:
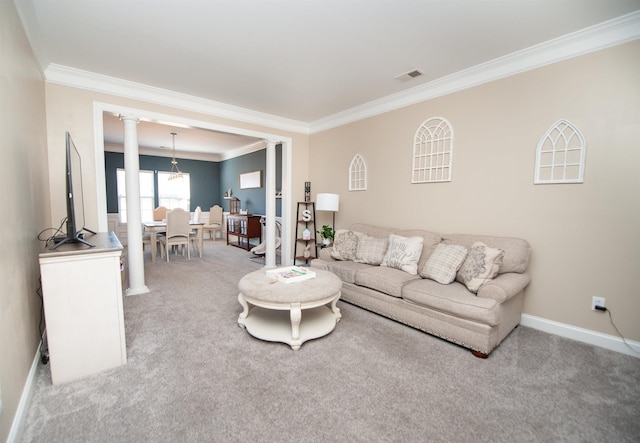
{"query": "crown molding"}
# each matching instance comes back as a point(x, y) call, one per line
point(77, 78)
point(257, 146)
point(604, 35)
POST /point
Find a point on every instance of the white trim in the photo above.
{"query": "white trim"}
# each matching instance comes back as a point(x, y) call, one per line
point(601, 36)
point(257, 146)
point(609, 342)
point(77, 78)
point(604, 35)
point(17, 426)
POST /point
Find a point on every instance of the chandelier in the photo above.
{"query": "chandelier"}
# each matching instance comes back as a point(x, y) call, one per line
point(175, 171)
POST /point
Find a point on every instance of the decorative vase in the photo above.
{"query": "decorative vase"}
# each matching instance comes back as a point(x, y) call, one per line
point(326, 241)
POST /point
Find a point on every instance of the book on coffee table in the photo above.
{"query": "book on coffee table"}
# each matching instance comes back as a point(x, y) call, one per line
point(291, 274)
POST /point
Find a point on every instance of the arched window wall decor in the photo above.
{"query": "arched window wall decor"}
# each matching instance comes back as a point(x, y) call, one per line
point(561, 154)
point(433, 152)
point(358, 174)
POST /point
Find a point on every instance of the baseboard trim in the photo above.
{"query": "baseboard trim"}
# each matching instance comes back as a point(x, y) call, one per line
point(17, 427)
point(609, 342)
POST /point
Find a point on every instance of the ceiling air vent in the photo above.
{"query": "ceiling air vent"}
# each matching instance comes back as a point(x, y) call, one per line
point(408, 75)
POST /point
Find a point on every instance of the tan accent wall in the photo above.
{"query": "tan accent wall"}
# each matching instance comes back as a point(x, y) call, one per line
point(585, 237)
point(25, 208)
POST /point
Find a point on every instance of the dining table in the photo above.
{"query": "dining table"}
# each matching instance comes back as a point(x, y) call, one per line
point(160, 226)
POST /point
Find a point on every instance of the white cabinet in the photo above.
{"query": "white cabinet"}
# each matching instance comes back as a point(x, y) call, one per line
point(82, 296)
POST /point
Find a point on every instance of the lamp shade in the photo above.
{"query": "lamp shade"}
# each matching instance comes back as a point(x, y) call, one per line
point(327, 202)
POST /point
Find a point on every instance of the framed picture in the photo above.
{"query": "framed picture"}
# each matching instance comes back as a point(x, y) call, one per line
point(250, 180)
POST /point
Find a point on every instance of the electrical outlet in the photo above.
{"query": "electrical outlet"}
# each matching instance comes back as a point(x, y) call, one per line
point(597, 301)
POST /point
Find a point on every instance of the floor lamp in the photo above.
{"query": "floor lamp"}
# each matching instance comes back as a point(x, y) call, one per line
point(328, 202)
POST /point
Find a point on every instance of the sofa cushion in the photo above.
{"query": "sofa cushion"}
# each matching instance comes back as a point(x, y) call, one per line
point(371, 250)
point(345, 243)
point(444, 263)
point(480, 266)
point(454, 299)
point(345, 270)
point(386, 280)
point(403, 253)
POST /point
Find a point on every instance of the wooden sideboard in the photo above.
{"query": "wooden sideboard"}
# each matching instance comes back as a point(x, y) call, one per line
point(241, 229)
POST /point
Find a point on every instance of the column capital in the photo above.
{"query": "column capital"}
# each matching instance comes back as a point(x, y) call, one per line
point(129, 117)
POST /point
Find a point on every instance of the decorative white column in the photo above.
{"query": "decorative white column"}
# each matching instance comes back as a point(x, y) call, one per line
point(135, 257)
point(270, 200)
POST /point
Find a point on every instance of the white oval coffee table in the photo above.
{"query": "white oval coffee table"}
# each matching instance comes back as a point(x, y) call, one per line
point(289, 313)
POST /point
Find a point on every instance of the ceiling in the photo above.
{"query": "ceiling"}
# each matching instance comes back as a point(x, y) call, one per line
point(302, 60)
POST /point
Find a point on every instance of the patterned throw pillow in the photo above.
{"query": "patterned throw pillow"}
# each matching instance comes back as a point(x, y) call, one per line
point(345, 244)
point(443, 263)
point(481, 265)
point(370, 250)
point(403, 253)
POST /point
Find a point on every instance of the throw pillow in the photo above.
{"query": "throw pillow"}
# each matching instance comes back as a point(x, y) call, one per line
point(444, 262)
point(403, 253)
point(345, 244)
point(370, 250)
point(481, 265)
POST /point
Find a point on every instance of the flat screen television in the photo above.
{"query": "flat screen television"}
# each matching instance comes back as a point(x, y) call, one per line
point(75, 199)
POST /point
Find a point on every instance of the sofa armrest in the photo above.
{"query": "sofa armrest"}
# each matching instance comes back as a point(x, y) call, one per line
point(504, 286)
point(325, 254)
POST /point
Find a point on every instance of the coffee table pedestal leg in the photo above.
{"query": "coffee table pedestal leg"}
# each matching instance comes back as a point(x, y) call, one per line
point(335, 309)
point(290, 323)
point(296, 316)
point(245, 310)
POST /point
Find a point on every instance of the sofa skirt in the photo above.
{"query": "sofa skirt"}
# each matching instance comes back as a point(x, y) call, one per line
point(469, 334)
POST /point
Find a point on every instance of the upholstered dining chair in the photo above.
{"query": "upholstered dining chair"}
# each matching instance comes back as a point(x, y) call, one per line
point(160, 213)
point(215, 221)
point(177, 232)
point(193, 234)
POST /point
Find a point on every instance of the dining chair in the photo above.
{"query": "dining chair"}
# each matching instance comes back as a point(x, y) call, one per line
point(160, 213)
point(215, 221)
point(177, 233)
point(193, 234)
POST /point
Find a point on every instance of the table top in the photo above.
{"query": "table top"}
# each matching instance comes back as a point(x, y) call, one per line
point(162, 224)
point(257, 285)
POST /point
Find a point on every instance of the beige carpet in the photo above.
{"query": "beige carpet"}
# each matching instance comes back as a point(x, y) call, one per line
point(194, 376)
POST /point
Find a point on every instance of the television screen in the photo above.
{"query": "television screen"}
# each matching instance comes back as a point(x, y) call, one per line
point(74, 196)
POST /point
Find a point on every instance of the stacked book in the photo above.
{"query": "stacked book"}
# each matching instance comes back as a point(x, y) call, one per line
point(291, 274)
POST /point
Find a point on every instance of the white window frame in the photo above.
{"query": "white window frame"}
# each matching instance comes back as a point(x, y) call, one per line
point(433, 152)
point(561, 155)
point(147, 200)
point(358, 174)
point(180, 194)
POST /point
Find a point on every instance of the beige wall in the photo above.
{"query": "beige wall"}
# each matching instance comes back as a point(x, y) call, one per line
point(585, 237)
point(25, 208)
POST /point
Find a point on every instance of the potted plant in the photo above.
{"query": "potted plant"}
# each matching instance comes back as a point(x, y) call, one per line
point(326, 233)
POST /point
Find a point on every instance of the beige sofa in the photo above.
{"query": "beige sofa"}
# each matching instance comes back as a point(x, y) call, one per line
point(478, 321)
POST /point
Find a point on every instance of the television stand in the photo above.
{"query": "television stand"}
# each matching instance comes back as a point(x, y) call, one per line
point(79, 238)
point(82, 302)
